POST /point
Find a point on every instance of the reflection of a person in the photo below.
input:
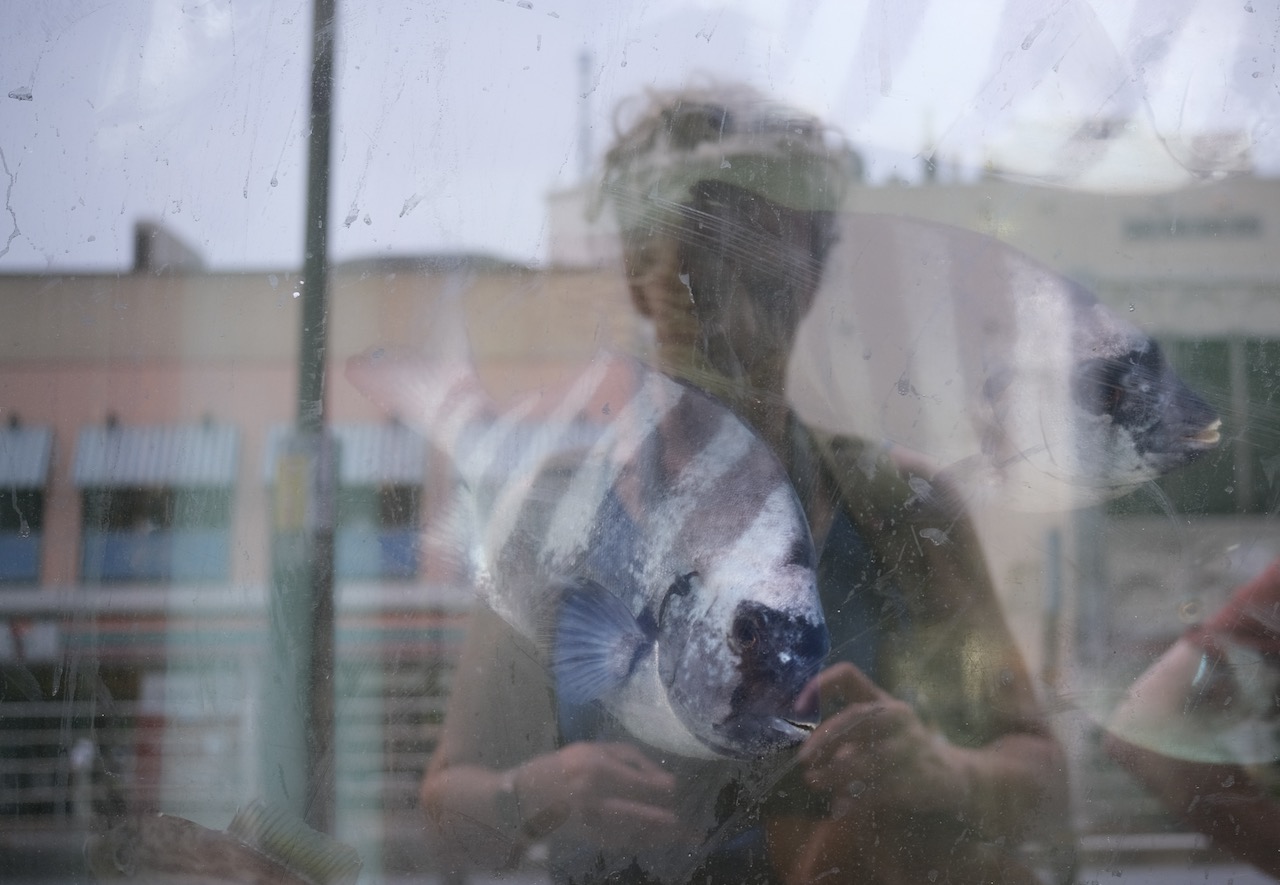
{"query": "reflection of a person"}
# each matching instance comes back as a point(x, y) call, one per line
point(1201, 727)
point(934, 759)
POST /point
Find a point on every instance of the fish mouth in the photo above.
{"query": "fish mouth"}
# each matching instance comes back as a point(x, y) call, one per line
point(761, 737)
point(1207, 437)
point(792, 729)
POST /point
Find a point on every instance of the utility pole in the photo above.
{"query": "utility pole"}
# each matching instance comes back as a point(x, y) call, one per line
point(299, 711)
point(585, 63)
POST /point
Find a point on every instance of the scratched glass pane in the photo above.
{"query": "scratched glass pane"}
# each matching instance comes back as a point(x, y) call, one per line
point(560, 442)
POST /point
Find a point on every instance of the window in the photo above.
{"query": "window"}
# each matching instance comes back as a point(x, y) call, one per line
point(156, 503)
point(24, 469)
point(674, 355)
point(378, 532)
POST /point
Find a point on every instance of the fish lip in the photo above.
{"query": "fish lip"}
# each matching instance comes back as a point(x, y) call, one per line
point(792, 727)
point(1206, 437)
point(772, 735)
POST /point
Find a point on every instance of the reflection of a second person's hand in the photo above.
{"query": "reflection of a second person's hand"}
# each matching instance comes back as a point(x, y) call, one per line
point(610, 791)
point(875, 750)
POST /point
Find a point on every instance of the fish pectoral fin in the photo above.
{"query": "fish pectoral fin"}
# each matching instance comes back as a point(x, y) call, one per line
point(596, 642)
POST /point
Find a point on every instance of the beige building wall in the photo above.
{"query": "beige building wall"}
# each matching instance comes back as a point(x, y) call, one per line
point(184, 348)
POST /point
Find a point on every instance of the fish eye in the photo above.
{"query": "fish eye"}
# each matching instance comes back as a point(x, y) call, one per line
point(1104, 385)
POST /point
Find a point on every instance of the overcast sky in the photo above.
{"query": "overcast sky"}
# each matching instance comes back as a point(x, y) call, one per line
point(454, 120)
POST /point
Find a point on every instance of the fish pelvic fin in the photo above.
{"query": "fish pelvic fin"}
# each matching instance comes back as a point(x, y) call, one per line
point(596, 642)
point(287, 840)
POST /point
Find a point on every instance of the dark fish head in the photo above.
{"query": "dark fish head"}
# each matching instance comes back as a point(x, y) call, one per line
point(740, 638)
point(1151, 422)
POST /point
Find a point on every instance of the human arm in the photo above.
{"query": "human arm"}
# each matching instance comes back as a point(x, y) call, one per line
point(951, 689)
point(945, 761)
point(1174, 729)
point(902, 800)
point(1220, 799)
point(497, 781)
point(877, 750)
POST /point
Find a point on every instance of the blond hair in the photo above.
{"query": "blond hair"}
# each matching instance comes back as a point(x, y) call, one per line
point(732, 134)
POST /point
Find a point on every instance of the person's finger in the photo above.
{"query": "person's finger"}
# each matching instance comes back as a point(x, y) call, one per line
point(856, 725)
point(635, 758)
point(848, 765)
point(623, 773)
point(636, 814)
point(838, 686)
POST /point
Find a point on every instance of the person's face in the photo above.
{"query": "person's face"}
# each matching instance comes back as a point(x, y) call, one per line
point(752, 268)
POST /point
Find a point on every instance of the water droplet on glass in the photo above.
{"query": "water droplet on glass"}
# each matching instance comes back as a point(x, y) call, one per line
point(273, 280)
point(274, 181)
point(296, 293)
point(1130, 308)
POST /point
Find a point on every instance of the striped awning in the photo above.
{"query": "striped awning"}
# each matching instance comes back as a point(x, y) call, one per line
point(165, 455)
point(368, 454)
point(25, 453)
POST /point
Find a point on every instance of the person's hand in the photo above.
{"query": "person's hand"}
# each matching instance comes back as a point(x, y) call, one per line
point(611, 793)
point(875, 750)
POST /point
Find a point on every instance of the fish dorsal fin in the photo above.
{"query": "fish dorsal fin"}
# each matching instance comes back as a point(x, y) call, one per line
point(281, 836)
point(596, 642)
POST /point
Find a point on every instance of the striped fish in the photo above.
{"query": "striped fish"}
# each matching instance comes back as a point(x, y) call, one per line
point(1016, 381)
point(660, 560)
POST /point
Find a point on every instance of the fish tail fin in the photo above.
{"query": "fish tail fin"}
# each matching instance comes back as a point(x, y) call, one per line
point(432, 396)
point(434, 388)
point(283, 837)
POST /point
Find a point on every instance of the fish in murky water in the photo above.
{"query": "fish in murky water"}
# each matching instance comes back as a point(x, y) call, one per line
point(262, 846)
point(1018, 382)
point(664, 566)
